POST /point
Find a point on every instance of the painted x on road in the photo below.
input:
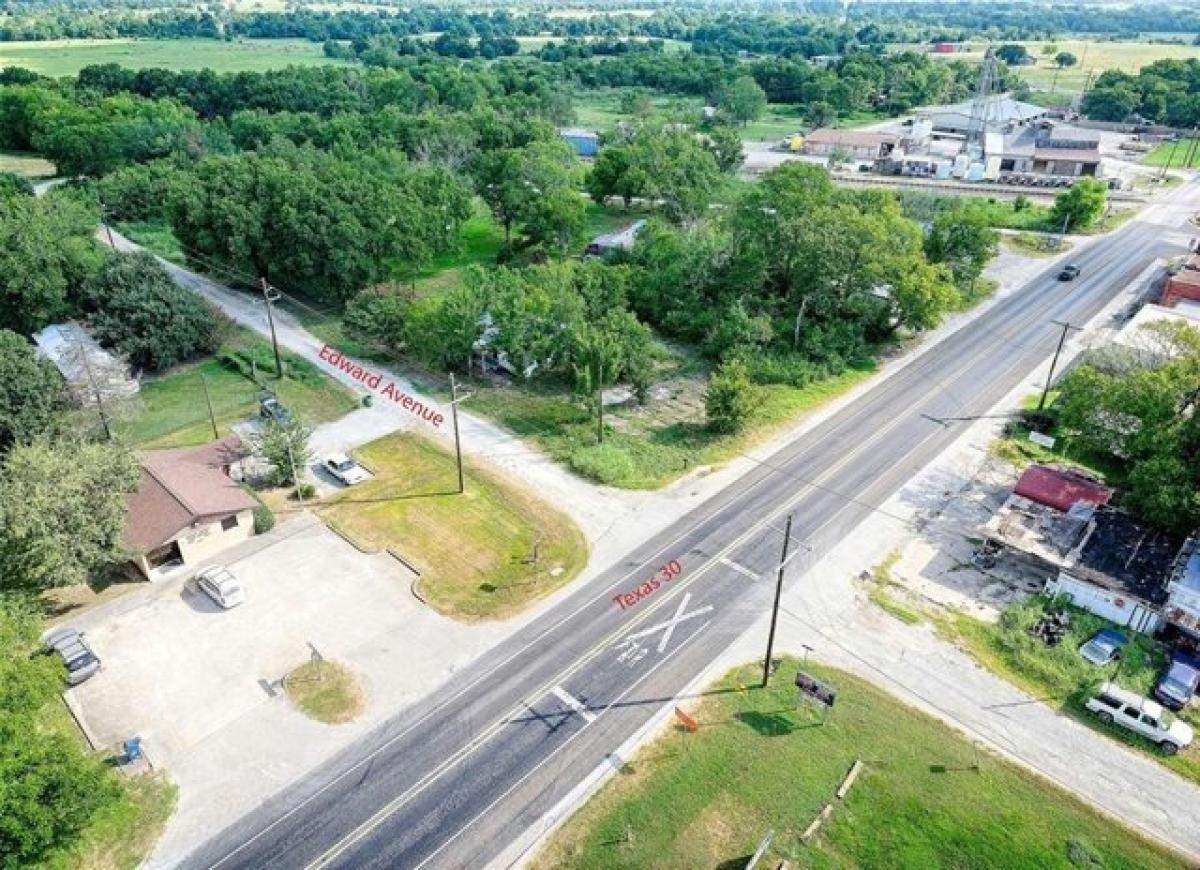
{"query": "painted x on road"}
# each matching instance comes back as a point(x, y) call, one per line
point(668, 627)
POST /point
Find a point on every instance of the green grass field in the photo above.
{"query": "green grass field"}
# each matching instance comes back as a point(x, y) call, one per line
point(26, 165)
point(1184, 154)
point(761, 762)
point(1094, 56)
point(1060, 677)
point(67, 57)
point(475, 550)
point(170, 409)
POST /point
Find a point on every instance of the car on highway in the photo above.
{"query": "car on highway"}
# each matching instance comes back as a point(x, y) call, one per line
point(1104, 647)
point(1116, 706)
point(219, 584)
point(270, 408)
point(1179, 681)
point(1069, 273)
point(72, 647)
point(345, 469)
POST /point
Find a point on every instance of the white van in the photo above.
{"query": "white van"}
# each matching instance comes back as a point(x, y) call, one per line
point(1112, 704)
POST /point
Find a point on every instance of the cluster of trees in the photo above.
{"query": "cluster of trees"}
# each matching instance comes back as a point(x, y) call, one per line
point(674, 169)
point(567, 321)
point(1141, 409)
point(316, 222)
point(799, 279)
point(1018, 20)
point(1166, 92)
point(862, 81)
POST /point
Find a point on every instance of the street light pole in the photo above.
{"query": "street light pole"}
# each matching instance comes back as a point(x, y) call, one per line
point(787, 539)
point(1066, 327)
point(271, 295)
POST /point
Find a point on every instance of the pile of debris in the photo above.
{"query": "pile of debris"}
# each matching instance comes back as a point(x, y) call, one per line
point(1052, 627)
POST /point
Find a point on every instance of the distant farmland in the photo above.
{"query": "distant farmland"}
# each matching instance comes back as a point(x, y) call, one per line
point(67, 57)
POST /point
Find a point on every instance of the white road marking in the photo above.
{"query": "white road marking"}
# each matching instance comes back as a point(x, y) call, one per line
point(668, 627)
point(573, 702)
point(741, 569)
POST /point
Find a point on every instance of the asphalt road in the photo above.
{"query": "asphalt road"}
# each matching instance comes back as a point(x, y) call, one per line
point(454, 780)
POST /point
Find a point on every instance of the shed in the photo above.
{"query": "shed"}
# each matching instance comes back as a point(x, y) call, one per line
point(585, 143)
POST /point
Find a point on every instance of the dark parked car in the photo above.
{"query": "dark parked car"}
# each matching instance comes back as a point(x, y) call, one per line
point(270, 408)
point(1179, 682)
point(1069, 273)
point(73, 649)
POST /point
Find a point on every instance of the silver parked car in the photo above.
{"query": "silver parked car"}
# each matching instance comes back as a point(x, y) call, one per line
point(221, 586)
point(345, 469)
point(1116, 706)
point(77, 655)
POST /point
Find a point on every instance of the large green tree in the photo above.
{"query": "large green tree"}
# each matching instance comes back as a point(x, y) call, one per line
point(32, 393)
point(532, 186)
point(46, 251)
point(134, 306)
point(963, 239)
point(62, 510)
point(1142, 409)
point(1081, 205)
point(668, 167)
point(743, 99)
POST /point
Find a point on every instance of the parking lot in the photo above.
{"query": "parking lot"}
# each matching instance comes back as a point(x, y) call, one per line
point(177, 668)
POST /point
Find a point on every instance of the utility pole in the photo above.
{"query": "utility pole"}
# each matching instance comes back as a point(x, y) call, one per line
point(271, 295)
point(454, 400)
point(787, 539)
point(1066, 327)
point(208, 401)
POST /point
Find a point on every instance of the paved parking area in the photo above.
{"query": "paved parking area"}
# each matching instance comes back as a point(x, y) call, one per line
point(177, 668)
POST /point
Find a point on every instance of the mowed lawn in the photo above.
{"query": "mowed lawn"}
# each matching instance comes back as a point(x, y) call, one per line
point(66, 57)
point(170, 410)
point(485, 553)
point(760, 763)
point(26, 165)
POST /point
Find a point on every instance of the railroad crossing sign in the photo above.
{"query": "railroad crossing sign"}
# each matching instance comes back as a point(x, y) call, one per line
point(667, 627)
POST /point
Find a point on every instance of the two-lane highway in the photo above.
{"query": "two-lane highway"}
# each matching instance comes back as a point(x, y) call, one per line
point(452, 781)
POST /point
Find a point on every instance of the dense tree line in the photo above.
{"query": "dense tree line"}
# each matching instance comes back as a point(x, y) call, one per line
point(1140, 408)
point(1013, 19)
point(1165, 92)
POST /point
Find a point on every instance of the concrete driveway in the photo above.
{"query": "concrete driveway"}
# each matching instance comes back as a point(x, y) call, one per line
point(179, 669)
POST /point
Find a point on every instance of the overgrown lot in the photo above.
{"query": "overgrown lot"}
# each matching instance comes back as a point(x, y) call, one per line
point(919, 802)
point(483, 554)
point(1060, 677)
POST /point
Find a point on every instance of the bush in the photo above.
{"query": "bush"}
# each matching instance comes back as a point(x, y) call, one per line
point(782, 368)
point(731, 398)
point(264, 519)
point(606, 463)
point(138, 309)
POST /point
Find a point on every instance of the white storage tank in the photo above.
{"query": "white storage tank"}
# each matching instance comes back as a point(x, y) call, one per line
point(975, 172)
point(943, 169)
point(960, 166)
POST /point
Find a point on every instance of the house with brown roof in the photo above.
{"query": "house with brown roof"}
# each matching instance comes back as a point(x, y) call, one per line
point(187, 508)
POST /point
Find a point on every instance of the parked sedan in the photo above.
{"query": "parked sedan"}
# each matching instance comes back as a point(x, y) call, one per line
point(345, 469)
point(1105, 647)
point(1069, 273)
point(77, 655)
point(1179, 683)
point(221, 586)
